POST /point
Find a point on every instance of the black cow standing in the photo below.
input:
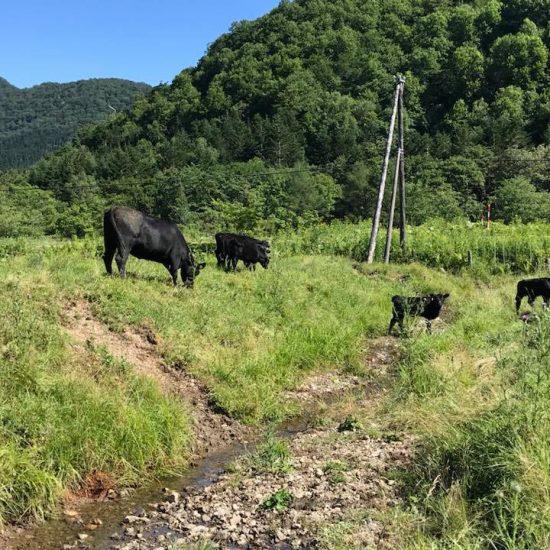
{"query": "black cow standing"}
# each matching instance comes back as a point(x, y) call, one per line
point(230, 248)
point(532, 288)
point(428, 307)
point(129, 231)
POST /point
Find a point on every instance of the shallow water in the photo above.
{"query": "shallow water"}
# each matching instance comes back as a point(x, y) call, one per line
point(55, 533)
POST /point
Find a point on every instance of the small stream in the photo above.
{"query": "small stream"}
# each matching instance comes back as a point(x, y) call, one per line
point(55, 533)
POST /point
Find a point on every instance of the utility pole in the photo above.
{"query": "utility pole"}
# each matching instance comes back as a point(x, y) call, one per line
point(399, 84)
point(392, 208)
point(401, 154)
point(376, 217)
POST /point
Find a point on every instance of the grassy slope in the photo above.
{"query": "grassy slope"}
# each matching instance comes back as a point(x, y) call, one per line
point(248, 337)
point(62, 414)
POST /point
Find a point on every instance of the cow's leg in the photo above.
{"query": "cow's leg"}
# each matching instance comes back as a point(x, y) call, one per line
point(402, 325)
point(121, 259)
point(108, 259)
point(173, 272)
point(429, 326)
point(518, 302)
point(174, 275)
point(392, 324)
point(220, 258)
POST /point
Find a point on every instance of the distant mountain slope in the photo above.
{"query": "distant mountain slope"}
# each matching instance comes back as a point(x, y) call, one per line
point(284, 119)
point(35, 121)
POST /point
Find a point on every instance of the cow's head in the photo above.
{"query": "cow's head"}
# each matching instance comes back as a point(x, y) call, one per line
point(440, 298)
point(189, 271)
point(264, 260)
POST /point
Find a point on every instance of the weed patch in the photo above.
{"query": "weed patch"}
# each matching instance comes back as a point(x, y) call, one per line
point(280, 500)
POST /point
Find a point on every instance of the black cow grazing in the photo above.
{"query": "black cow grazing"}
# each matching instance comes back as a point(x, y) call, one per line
point(428, 307)
point(230, 248)
point(533, 288)
point(129, 231)
point(250, 251)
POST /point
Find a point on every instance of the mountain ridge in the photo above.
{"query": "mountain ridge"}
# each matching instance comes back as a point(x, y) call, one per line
point(39, 119)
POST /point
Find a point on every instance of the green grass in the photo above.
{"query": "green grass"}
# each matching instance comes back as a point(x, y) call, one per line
point(521, 248)
point(273, 455)
point(63, 415)
point(484, 478)
point(280, 500)
point(247, 336)
point(469, 391)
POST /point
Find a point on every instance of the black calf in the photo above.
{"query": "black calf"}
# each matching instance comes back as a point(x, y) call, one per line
point(428, 307)
point(532, 288)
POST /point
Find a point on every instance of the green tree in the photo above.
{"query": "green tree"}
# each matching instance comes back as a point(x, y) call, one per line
point(518, 199)
point(519, 59)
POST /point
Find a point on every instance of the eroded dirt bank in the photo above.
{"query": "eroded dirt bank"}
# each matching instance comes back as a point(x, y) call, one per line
point(138, 346)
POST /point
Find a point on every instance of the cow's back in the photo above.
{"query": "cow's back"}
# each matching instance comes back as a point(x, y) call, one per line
point(127, 220)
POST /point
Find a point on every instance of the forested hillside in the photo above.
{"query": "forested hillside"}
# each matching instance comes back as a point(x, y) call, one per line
point(283, 120)
point(35, 121)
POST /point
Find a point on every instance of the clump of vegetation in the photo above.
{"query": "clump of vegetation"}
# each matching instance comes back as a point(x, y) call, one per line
point(271, 456)
point(335, 470)
point(350, 424)
point(278, 501)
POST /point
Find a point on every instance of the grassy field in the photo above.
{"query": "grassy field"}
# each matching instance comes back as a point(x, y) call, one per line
point(247, 336)
point(457, 247)
point(475, 393)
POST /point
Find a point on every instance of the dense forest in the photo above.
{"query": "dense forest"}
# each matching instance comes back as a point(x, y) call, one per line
point(38, 120)
point(283, 122)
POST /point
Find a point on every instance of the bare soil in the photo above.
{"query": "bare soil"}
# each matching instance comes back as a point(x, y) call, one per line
point(138, 346)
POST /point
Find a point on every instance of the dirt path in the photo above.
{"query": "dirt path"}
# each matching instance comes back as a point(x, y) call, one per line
point(138, 346)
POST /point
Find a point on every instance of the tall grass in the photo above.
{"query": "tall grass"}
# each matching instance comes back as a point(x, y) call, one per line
point(64, 414)
point(457, 246)
point(478, 394)
point(492, 473)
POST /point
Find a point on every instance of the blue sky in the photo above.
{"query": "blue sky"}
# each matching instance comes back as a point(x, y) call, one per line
point(143, 40)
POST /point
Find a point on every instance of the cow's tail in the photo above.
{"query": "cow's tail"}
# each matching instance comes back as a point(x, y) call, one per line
point(111, 232)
